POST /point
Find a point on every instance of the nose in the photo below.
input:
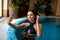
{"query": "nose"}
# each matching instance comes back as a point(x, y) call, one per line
point(29, 16)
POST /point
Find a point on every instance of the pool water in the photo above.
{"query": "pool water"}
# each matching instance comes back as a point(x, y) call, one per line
point(50, 30)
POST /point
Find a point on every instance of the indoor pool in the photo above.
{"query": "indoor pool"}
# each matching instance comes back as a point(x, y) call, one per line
point(50, 29)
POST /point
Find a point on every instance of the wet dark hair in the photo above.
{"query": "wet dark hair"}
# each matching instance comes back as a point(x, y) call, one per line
point(41, 9)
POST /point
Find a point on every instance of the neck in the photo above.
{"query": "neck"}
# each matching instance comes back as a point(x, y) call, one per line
point(32, 21)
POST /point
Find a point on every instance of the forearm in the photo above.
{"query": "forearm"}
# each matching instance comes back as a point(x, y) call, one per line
point(18, 26)
point(39, 27)
point(12, 25)
point(39, 30)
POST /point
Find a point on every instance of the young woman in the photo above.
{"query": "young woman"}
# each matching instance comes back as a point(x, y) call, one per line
point(32, 26)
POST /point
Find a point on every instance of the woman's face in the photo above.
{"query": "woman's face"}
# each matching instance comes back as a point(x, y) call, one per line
point(30, 16)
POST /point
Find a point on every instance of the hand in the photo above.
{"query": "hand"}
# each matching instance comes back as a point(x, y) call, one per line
point(9, 19)
point(37, 20)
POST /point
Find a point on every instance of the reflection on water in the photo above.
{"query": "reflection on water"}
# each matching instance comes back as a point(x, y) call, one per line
point(51, 29)
point(57, 23)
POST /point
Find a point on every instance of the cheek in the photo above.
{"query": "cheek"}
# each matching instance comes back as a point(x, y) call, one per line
point(30, 17)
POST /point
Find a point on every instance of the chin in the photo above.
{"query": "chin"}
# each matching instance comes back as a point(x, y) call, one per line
point(30, 20)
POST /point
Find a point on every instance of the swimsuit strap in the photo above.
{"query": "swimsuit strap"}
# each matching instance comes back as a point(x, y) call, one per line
point(32, 30)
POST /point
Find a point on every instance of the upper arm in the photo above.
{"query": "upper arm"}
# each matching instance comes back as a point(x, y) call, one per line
point(23, 25)
point(20, 26)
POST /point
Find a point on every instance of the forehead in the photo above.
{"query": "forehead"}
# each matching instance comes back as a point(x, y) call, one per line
point(30, 13)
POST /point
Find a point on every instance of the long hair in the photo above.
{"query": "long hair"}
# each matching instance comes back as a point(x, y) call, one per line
point(34, 12)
